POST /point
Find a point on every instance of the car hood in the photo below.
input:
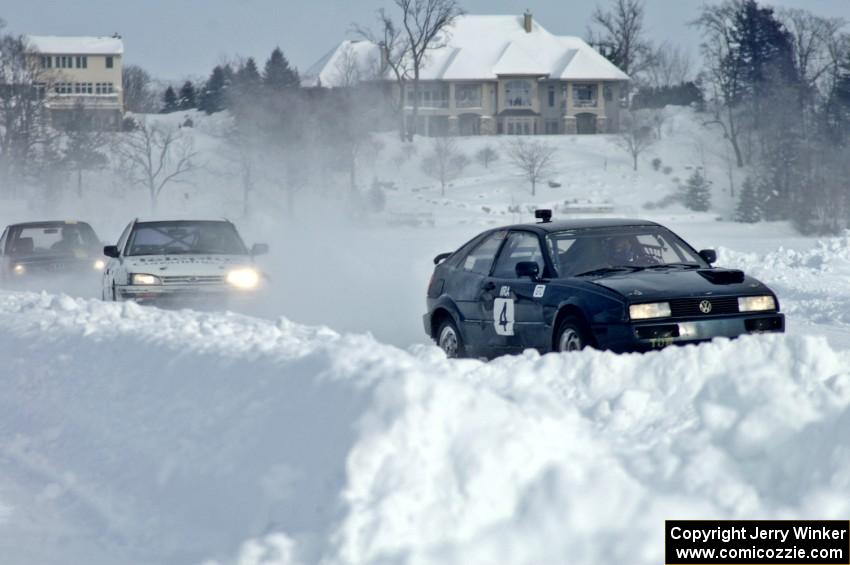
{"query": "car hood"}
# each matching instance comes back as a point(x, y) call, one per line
point(184, 265)
point(83, 256)
point(641, 286)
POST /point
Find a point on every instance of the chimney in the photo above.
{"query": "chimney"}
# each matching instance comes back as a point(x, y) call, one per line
point(527, 21)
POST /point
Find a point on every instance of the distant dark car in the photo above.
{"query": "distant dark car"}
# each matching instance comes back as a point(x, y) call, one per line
point(49, 250)
point(620, 285)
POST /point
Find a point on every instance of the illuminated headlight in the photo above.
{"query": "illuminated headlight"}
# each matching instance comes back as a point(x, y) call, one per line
point(244, 278)
point(756, 303)
point(651, 310)
point(144, 280)
point(99, 265)
point(19, 269)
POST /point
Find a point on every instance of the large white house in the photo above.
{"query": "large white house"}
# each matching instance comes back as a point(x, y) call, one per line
point(81, 72)
point(496, 75)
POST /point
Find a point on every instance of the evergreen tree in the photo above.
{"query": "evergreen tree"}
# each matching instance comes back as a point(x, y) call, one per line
point(169, 101)
point(246, 84)
point(697, 193)
point(748, 210)
point(187, 99)
point(278, 74)
point(212, 97)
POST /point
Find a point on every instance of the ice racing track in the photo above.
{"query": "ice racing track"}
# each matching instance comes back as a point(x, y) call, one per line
point(139, 435)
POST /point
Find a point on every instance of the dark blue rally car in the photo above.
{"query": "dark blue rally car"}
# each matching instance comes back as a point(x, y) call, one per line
point(621, 285)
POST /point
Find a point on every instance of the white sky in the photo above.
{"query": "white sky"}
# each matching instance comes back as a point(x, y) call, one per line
point(175, 39)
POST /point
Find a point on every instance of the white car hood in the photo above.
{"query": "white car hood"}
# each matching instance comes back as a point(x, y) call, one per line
point(185, 265)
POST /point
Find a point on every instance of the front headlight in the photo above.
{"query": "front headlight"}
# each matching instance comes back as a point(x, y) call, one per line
point(651, 310)
point(99, 265)
point(19, 269)
point(244, 278)
point(756, 303)
point(142, 279)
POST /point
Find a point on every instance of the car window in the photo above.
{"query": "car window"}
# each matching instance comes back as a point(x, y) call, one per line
point(521, 246)
point(171, 238)
point(480, 259)
point(64, 239)
point(123, 239)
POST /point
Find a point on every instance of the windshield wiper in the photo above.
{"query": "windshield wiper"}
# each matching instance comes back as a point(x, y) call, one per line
point(608, 270)
point(667, 265)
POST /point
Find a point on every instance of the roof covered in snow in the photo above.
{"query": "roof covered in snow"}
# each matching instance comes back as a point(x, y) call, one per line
point(347, 64)
point(486, 47)
point(55, 44)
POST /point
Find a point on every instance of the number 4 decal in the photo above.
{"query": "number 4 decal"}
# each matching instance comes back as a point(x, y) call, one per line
point(503, 316)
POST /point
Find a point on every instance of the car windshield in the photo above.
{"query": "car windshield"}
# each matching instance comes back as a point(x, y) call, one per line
point(181, 238)
point(605, 250)
point(59, 238)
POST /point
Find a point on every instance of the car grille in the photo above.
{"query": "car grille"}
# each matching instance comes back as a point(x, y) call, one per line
point(690, 307)
point(192, 280)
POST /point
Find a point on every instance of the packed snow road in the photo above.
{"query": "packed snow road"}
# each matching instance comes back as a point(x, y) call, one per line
point(138, 435)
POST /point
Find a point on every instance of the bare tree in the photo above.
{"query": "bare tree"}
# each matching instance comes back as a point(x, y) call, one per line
point(533, 159)
point(445, 162)
point(636, 135)
point(136, 86)
point(486, 155)
point(425, 24)
point(812, 37)
point(154, 157)
point(394, 59)
point(619, 34)
point(670, 65)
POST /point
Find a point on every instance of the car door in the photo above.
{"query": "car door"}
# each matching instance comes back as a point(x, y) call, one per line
point(468, 285)
point(516, 307)
point(113, 272)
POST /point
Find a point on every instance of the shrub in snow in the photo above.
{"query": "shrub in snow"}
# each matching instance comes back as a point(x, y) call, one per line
point(445, 162)
point(486, 155)
point(696, 193)
point(667, 170)
point(749, 208)
point(376, 199)
point(656, 164)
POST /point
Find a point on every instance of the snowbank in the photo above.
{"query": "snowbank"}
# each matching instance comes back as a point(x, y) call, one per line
point(136, 435)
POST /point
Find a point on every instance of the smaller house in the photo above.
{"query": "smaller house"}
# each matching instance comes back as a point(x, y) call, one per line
point(500, 74)
point(80, 73)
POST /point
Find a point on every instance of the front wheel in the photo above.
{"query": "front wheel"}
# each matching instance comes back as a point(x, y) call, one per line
point(450, 340)
point(571, 336)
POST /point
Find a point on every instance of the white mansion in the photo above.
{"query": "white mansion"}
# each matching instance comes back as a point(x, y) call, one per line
point(499, 75)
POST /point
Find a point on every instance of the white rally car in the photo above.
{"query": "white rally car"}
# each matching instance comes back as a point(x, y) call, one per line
point(181, 262)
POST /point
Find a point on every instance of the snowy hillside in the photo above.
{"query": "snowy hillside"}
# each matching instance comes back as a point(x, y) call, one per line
point(136, 435)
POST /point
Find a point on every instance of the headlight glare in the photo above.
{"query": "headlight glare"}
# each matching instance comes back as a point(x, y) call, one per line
point(245, 279)
point(19, 269)
point(756, 303)
point(144, 280)
point(650, 310)
point(99, 265)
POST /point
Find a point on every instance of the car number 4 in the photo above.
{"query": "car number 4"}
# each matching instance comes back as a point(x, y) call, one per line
point(503, 316)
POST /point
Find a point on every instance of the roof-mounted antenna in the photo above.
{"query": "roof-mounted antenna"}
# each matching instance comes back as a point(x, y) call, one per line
point(544, 215)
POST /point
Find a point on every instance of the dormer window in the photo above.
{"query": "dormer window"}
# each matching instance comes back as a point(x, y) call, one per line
point(518, 93)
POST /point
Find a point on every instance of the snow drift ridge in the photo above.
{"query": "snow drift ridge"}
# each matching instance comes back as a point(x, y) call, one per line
point(138, 435)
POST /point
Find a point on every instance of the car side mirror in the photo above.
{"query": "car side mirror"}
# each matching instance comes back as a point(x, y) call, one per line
point(259, 249)
point(111, 251)
point(709, 255)
point(527, 269)
point(441, 257)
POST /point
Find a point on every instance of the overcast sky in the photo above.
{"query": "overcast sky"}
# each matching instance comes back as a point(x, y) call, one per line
point(175, 39)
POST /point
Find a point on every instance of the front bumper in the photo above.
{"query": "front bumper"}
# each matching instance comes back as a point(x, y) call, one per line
point(656, 334)
point(160, 295)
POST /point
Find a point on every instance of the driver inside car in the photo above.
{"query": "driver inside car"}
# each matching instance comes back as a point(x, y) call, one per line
point(622, 251)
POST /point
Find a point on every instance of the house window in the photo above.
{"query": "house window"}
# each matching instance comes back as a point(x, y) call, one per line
point(468, 95)
point(584, 95)
point(606, 90)
point(430, 96)
point(551, 96)
point(109, 62)
point(82, 62)
point(552, 127)
point(518, 93)
point(103, 88)
point(46, 62)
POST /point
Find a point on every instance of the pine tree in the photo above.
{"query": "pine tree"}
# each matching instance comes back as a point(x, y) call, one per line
point(697, 193)
point(748, 210)
point(278, 74)
point(169, 101)
point(187, 99)
point(246, 84)
point(212, 97)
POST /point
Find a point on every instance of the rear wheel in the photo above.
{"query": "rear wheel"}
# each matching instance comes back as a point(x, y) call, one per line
point(450, 340)
point(571, 335)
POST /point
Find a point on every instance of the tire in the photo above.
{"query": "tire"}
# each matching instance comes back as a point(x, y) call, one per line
point(571, 336)
point(450, 340)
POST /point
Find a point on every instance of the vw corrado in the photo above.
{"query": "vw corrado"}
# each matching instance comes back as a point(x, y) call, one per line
point(621, 285)
point(180, 262)
point(49, 250)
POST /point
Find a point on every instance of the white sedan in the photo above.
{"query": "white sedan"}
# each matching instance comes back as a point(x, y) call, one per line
point(181, 262)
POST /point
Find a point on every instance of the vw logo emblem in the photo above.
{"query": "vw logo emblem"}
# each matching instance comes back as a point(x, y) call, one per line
point(705, 307)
